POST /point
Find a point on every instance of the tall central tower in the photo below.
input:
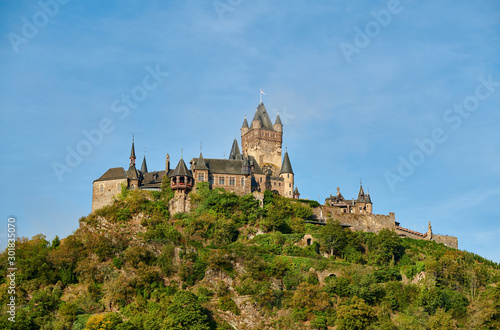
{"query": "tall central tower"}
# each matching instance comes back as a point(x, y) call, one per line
point(263, 141)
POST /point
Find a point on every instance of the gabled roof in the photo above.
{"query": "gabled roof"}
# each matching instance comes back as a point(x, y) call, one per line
point(132, 173)
point(181, 169)
point(113, 174)
point(235, 151)
point(200, 164)
point(144, 167)
point(287, 166)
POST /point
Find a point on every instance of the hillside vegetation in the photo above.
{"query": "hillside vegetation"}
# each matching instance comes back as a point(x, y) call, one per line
point(230, 263)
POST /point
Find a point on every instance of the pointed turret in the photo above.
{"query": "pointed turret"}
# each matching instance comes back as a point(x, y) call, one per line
point(362, 197)
point(245, 123)
point(278, 126)
point(181, 169)
point(201, 165)
point(287, 166)
point(144, 167)
point(278, 120)
point(296, 194)
point(235, 151)
point(132, 154)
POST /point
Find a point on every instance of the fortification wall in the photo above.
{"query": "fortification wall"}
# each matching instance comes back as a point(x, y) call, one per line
point(404, 232)
point(449, 241)
point(362, 222)
point(103, 192)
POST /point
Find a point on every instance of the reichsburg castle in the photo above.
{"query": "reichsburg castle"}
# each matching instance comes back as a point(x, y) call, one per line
point(259, 166)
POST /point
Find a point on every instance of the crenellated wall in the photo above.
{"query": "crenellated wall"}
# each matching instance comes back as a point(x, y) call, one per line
point(361, 222)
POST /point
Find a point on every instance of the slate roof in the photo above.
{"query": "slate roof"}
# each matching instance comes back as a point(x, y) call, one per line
point(287, 166)
point(296, 191)
point(132, 152)
point(245, 123)
point(262, 116)
point(362, 197)
point(113, 174)
point(181, 169)
point(235, 151)
point(133, 173)
point(144, 167)
point(200, 164)
point(278, 120)
point(152, 179)
point(229, 166)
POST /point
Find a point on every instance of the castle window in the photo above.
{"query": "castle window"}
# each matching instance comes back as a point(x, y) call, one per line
point(290, 185)
point(232, 181)
point(211, 179)
point(260, 180)
point(201, 177)
point(242, 181)
point(221, 180)
point(275, 183)
point(101, 188)
point(288, 175)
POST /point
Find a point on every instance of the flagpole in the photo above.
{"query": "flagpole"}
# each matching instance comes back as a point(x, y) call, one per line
point(260, 95)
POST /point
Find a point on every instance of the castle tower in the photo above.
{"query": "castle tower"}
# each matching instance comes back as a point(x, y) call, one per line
point(364, 201)
point(201, 170)
point(296, 194)
point(287, 174)
point(132, 173)
point(181, 182)
point(263, 141)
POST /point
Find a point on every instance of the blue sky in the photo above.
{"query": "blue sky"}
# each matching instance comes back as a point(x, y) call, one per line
point(356, 83)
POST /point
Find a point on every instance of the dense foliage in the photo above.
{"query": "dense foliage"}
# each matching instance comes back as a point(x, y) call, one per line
point(133, 265)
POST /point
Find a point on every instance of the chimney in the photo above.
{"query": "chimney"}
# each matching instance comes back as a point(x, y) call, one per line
point(338, 191)
point(167, 164)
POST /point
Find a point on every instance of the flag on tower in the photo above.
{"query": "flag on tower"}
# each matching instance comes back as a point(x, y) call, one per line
point(262, 92)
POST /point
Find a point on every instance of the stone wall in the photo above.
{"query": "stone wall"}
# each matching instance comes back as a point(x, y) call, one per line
point(103, 192)
point(449, 241)
point(237, 188)
point(361, 222)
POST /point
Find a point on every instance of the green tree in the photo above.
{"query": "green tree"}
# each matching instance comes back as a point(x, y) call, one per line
point(185, 312)
point(355, 316)
point(334, 238)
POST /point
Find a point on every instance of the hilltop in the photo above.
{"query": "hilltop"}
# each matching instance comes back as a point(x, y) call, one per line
point(231, 262)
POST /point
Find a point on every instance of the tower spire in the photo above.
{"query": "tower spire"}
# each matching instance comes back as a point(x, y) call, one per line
point(132, 152)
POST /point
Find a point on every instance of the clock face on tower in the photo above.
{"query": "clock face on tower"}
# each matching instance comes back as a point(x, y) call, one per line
point(269, 169)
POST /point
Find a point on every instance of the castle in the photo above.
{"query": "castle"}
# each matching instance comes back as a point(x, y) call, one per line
point(259, 166)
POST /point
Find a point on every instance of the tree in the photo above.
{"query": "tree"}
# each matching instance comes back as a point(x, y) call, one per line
point(355, 316)
point(185, 312)
point(103, 322)
point(334, 238)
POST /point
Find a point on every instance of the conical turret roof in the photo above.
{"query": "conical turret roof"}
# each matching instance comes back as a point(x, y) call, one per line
point(278, 120)
point(132, 152)
point(144, 167)
point(235, 151)
point(201, 165)
point(287, 166)
point(245, 123)
point(181, 169)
